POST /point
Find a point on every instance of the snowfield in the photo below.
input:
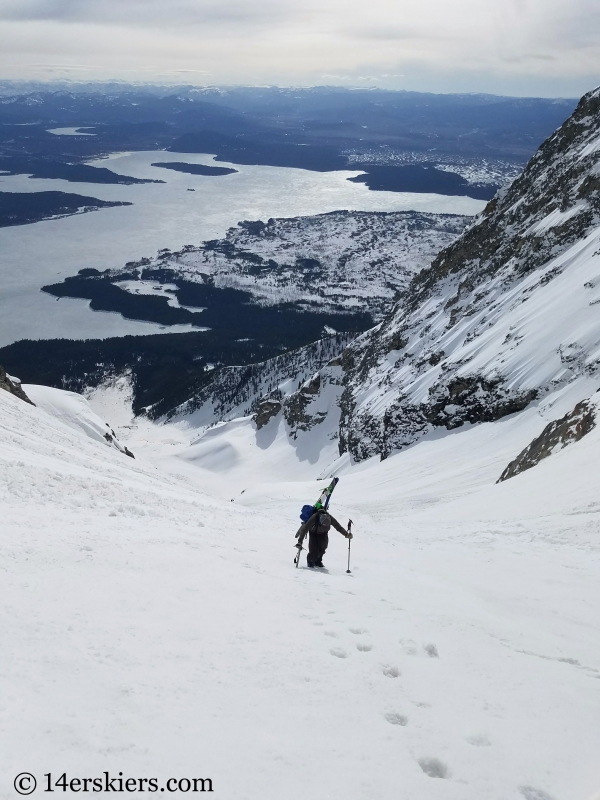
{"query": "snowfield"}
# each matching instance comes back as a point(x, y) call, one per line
point(152, 626)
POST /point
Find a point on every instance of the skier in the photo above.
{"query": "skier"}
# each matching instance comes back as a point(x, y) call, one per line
point(318, 526)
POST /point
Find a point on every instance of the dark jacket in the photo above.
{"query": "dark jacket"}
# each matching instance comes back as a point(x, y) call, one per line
point(320, 522)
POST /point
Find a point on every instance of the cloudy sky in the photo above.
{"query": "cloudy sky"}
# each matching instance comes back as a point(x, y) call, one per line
point(520, 47)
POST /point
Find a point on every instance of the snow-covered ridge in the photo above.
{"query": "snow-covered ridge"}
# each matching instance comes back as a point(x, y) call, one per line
point(237, 391)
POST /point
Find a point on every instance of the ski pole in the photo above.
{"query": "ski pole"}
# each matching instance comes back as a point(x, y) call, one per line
point(349, 541)
point(300, 549)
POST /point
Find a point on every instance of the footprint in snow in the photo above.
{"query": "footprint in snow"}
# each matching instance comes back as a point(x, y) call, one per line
point(431, 650)
point(531, 793)
point(409, 647)
point(357, 630)
point(396, 719)
point(479, 741)
point(391, 672)
point(338, 652)
point(435, 768)
point(364, 648)
point(332, 634)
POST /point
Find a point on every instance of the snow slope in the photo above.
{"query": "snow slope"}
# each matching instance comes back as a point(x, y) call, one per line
point(73, 410)
point(156, 630)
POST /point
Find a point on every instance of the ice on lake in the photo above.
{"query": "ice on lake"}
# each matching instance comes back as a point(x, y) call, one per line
point(163, 215)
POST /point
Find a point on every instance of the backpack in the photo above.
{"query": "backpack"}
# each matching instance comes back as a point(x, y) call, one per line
point(306, 513)
point(323, 523)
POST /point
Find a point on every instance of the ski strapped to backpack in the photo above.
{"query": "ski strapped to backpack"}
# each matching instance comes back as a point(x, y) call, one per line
point(307, 512)
point(325, 495)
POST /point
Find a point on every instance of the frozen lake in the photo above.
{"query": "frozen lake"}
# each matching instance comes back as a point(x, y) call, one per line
point(162, 215)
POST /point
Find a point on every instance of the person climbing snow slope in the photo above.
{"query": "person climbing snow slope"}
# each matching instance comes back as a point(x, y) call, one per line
point(318, 526)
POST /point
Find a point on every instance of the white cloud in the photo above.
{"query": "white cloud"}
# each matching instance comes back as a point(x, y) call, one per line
point(150, 13)
point(514, 46)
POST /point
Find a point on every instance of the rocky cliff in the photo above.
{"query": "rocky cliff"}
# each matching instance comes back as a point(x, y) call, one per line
point(558, 434)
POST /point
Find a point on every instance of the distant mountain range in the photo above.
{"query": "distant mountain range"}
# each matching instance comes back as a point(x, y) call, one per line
point(323, 128)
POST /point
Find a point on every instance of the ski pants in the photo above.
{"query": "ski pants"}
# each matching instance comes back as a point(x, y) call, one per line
point(317, 544)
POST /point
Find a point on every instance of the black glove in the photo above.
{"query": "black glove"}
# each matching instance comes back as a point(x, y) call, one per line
point(349, 535)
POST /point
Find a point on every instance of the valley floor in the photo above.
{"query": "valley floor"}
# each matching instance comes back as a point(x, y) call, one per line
point(158, 629)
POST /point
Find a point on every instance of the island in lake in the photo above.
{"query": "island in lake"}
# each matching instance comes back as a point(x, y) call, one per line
point(425, 178)
point(22, 208)
point(58, 170)
point(194, 169)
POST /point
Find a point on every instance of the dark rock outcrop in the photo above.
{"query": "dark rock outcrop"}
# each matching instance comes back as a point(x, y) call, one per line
point(473, 399)
point(12, 387)
point(111, 438)
point(267, 409)
point(555, 436)
point(294, 406)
